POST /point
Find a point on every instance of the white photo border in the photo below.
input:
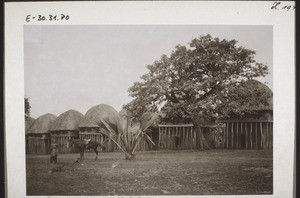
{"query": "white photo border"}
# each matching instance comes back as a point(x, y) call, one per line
point(155, 13)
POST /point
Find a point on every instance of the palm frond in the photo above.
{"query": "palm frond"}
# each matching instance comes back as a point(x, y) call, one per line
point(147, 136)
point(148, 119)
point(137, 143)
point(128, 135)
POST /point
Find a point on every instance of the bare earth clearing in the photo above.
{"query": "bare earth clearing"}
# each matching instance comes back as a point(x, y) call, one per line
point(155, 173)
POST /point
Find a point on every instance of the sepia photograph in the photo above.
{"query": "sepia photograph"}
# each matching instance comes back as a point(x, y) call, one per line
point(148, 110)
point(149, 99)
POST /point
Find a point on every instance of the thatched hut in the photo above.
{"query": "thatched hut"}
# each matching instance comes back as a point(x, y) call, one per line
point(39, 135)
point(65, 126)
point(90, 126)
point(250, 126)
point(28, 123)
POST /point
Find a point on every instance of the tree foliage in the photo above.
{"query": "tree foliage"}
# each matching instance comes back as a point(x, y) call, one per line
point(194, 81)
point(27, 107)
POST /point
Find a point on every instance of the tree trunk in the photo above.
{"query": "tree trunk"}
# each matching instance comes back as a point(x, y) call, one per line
point(201, 142)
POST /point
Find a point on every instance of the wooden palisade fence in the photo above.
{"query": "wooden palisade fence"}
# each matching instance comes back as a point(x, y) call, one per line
point(248, 134)
point(38, 143)
point(93, 133)
point(177, 136)
point(61, 138)
point(145, 145)
point(38, 139)
point(235, 135)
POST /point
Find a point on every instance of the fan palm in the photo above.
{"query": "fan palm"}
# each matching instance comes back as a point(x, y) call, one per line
point(129, 133)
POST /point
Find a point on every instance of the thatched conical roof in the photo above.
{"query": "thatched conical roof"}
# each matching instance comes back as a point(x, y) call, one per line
point(68, 120)
point(256, 88)
point(28, 123)
point(249, 99)
point(124, 118)
point(100, 112)
point(42, 124)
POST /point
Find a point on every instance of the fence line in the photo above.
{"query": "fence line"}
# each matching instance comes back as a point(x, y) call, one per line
point(246, 134)
point(38, 144)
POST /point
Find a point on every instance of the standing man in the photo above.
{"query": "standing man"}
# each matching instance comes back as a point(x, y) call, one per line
point(54, 153)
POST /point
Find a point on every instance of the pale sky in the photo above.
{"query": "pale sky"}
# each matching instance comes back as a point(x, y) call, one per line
point(78, 67)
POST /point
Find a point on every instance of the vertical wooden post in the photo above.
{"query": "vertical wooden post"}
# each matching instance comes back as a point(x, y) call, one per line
point(227, 127)
point(187, 143)
point(237, 135)
point(256, 140)
point(269, 138)
point(172, 138)
point(261, 136)
point(188, 140)
point(232, 135)
point(159, 138)
point(169, 137)
point(272, 134)
point(246, 134)
point(165, 138)
point(162, 138)
point(176, 135)
point(194, 138)
point(191, 138)
point(223, 140)
point(183, 138)
point(240, 135)
point(268, 135)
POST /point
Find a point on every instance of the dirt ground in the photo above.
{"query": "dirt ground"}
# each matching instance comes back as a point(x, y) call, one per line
point(211, 172)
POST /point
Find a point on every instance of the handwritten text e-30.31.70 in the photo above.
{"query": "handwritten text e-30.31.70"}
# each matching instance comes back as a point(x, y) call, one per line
point(57, 17)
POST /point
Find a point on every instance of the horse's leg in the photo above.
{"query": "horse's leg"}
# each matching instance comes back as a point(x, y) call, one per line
point(96, 151)
point(81, 155)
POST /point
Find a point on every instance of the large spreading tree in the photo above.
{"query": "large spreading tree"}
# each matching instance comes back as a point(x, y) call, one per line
point(195, 81)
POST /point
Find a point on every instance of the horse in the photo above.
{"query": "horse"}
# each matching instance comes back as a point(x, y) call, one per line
point(85, 144)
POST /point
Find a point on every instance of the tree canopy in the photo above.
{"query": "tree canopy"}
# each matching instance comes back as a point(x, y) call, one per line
point(27, 107)
point(196, 80)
